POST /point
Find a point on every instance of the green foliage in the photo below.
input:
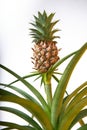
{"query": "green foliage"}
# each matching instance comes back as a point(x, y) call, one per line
point(58, 111)
point(43, 28)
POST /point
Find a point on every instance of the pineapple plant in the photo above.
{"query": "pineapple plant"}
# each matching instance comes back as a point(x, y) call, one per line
point(60, 110)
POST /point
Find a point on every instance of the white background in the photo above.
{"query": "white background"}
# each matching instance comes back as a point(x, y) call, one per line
point(16, 43)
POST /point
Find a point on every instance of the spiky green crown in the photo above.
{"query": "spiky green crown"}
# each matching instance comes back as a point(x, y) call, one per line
point(44, 28)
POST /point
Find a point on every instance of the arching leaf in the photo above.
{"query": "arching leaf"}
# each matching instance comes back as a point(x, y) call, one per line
point(71, 114)
point(81, 115)
point(15, 126)
point(20, 91)
point(35, 109)
point(29, 86)
point(59, 93)
point(23, 115)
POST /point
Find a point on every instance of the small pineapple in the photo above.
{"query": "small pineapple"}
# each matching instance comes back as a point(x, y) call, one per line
point(45, 52)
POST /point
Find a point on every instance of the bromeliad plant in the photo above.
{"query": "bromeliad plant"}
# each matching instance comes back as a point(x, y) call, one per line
point(60, 110)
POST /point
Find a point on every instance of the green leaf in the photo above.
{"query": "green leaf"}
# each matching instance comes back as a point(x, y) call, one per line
point(36, 31)
point(54, 31)
point(37, 78)
point(5, 92)
point(37, 36)
point(44, 15)
point(22, 115)
point(59, 62)
point(35, 109)
point(53, 37)
point(83, 127)
point(76, 99)
point(57, 80)
point(26, 76)
point(60, 90)
point(15, 126)
point(41, 17)
point(73, 94)
point(81, 115)
point(50, 17)
point(20, 91)
point(53, 23)
point(29, 86)
point(71, 114)
point(71, 104)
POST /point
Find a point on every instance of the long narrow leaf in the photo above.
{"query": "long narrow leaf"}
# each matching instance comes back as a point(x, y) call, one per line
point(71, 114)
point(22, 115)
point(20, 91)
point(15, 126)
point(35, 109)
point(5, 92)
point(81, 115)
point(59, 93)
point(25, 77)
point(76, 99)
point(69, 98)
point(74, 93)
point(30, 87)
point(56, 79)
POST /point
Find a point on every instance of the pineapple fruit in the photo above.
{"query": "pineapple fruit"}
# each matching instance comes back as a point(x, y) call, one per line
point(45, 51)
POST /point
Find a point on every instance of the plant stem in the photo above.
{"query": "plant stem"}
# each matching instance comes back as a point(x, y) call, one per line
point(48, 92)
point(48, 89)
